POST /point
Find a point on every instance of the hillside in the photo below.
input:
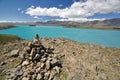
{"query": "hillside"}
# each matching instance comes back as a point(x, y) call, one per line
point(4, 38)
point(79, 61)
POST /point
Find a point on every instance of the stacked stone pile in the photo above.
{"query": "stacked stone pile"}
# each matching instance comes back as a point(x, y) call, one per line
point(37, 63)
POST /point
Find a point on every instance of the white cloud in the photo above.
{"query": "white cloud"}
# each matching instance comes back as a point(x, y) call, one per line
point(6, 21)
point(36, 17)
point(3, 21)
point(60, 5)
point(22, 12)
point(79, 19)
point(78, 10)
point(19, 9)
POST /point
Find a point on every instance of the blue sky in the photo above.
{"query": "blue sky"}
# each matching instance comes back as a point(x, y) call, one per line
point(64, 10)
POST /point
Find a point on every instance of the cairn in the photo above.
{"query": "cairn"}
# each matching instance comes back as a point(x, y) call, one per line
point(37, 63)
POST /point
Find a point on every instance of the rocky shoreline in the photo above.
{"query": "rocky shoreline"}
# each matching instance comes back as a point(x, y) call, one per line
point(6, 26)
point(58, 59)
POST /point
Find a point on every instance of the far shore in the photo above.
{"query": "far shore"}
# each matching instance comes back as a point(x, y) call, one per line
point(7, 26)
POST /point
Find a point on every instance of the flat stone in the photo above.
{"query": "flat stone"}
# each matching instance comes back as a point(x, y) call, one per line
point(25, 74)
point(22, 55)
point(54, 62)
point(38, 70)
point(43, 60)
point(25, 78)
point(30, 68)
point(3, 63)
point(57, 69)
point(14, 53)
point(18, 73)
point(52, 74)
point(30, 44)
point(38, 64)
point(28, 49)
point(43, 65)
point(32, 54)
point(47, 75)
point(42, 51)
point(56, 78)
point(48, 65)
point(25, 63)
point(39, 77)
point(37, 56)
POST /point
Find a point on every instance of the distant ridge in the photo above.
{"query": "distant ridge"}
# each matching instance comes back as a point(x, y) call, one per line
point(107, 22)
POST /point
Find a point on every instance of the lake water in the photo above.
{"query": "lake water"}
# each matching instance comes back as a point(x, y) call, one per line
point(102, 37)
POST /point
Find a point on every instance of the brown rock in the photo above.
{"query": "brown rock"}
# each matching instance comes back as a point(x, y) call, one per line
point(32, 54)
point(43, 65)
point(57, 69)
point(38, 64)
point(25, 78)
point(37, 56)
point(28, 49)
point(39, 77)
point(47, 75)
point(47, 65)
point(14, 53)
point(25, 63)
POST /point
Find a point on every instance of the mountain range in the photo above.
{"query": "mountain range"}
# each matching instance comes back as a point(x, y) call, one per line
point(105, 24)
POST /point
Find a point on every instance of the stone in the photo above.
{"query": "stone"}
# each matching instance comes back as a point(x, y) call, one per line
point(25, 74)
point(32, 72)
point(3, 63)
point(14, 53)
point(57, 69)
point(38, 70)
point(28, 49)
point(42, 51)
point(1, 70)
point(55, 55)
point(39, 77)
point(12, 75)
point(38, 64)
point(54, 62)
point(18, 73)
point(47, 75)
point(52, 74)
point(22, 55)
point(48, 65)
point(43, 60)
point(34, 76)
point(56, 78)
point(25, 63)
point(76, 77)
point(49, 59)
point(19, 67)
point(30, 44)
point(33, 54)
point(30, 68)
point(42, 65)
point(25, 78)
point(37, 56)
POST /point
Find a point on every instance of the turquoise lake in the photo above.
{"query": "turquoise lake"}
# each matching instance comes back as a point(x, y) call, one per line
point(103, 37)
